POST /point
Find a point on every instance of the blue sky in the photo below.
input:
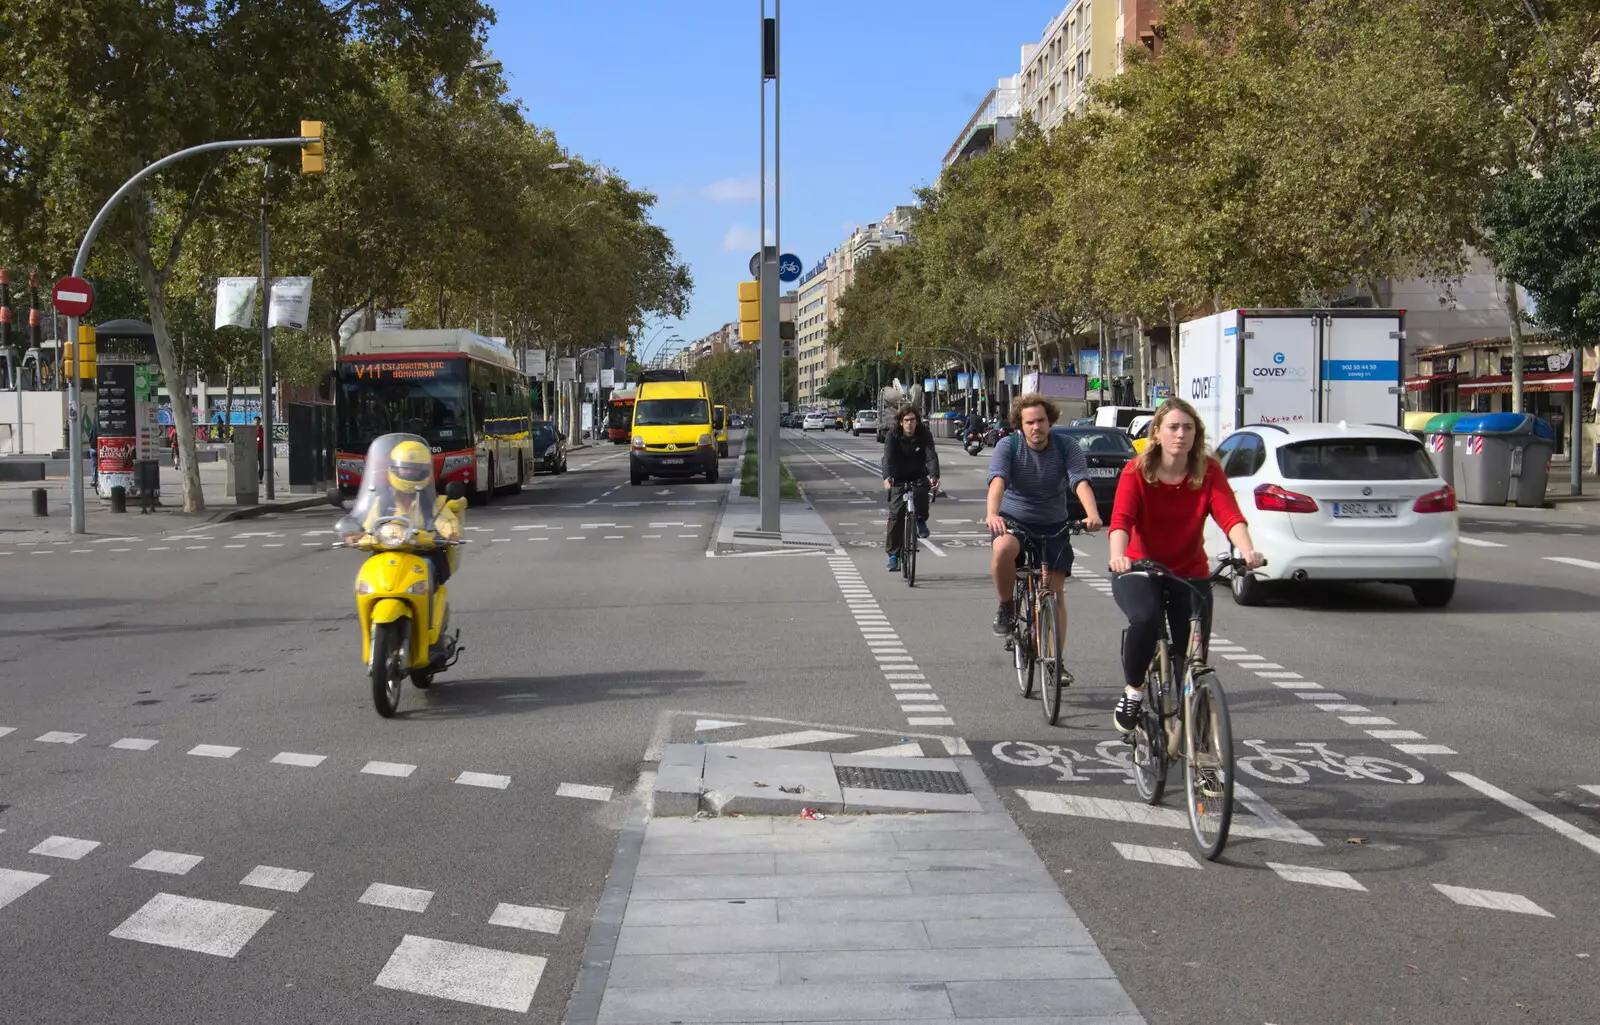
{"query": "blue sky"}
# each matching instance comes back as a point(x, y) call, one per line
point(665, 92)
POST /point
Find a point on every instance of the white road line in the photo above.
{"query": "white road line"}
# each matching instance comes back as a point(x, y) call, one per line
point(401, 898)
point(1568, 560)
point(484, 779)
point(291, 758)
point(268, 878)
point(1424, 749)
point(1395, 735)
point(923, 708)
point(203, 926)
point(1478, 542)
point(1366, 720)
point(714, 724)
point(1143, 814)
point(1516, 803)
point(1328, 695)
point(1243, 658)
point(67, 847)
point(170, 862)
point(1279, 676)
point(1591, 788)
point(910, 686)
point(464, 973)
point(930, 546)
point(1340, 707)
point(1275, 824)
point(388, 769)
point(14, 883)
point(12, 729)
point(135, 744)
point(1156, 855)
point(911, 749)
point(213, 751)
point(1293, 684)
point(930, 720)
point(787, 739)
point(533, 919)
point(1494, 900)
point(903, 676)
point(1316, 876)
point(57, 737)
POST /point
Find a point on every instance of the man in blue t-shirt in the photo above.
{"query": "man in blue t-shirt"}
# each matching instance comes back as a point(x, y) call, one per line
point(1030, 476)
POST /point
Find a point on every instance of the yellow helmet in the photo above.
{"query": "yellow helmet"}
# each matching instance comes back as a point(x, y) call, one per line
point(410, 467)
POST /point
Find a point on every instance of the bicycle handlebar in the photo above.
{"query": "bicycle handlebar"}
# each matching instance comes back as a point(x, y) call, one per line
point(1070, 527)
point(1152, 568)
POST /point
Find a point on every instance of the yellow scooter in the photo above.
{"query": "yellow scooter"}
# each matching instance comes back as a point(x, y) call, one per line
point(402, 607)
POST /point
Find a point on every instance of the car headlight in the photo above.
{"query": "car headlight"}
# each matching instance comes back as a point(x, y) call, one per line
point(637, 442)
point(706, 441)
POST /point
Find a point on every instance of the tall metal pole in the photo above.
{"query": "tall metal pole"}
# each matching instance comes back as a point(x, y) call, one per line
point(81, 262)
point(770, 348)
point(1575, 421)
point(266, 339)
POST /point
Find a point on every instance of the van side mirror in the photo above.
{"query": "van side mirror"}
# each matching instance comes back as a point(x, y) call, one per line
point(455, 491)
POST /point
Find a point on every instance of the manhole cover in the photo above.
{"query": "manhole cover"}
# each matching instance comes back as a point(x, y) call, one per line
point(922, 781)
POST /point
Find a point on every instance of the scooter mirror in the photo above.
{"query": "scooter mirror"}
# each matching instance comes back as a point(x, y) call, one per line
point(347, 525)
point(455, 491)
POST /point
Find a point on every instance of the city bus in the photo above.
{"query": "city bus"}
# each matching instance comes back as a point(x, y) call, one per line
point(619, 423)
point(461, 392)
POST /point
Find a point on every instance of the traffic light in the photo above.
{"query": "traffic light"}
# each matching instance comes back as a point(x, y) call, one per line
point(786, 336)
point(749, 312)
point(80, 357)
point(312, 157)
point(622, 348)
point(899, 349)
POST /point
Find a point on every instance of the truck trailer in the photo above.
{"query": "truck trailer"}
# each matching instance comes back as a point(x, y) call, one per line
point(1246, 366)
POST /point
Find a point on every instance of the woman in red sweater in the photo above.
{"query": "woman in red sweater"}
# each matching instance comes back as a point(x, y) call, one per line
point(1163, 499)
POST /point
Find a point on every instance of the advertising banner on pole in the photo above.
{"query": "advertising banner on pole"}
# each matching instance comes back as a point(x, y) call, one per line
point(290, 303)
point(236, 301)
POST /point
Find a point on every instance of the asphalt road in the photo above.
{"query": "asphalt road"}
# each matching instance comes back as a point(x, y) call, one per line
point(1500, 680)
point(349, 865)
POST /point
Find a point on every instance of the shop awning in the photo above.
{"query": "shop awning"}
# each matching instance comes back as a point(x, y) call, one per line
point(1421, 383)
point(1500, 384)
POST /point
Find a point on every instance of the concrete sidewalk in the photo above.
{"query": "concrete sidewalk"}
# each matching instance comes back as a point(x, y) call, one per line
point(891, 918)
point(18, 523)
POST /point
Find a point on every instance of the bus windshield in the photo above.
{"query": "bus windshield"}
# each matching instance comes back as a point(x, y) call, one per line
point(434, 408)
point(621, 414)
point(671, 412)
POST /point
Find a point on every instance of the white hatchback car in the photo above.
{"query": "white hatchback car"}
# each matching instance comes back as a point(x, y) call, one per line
point(816, 422)
point(1338, 501)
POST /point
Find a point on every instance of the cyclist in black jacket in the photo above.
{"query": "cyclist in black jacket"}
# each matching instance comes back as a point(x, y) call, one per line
point(908, 457)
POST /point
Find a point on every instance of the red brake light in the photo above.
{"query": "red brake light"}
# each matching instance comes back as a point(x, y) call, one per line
point(1443, 500)
point(1272, 498)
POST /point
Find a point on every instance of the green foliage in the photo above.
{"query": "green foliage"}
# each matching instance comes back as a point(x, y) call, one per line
point(749, 487)
point(731, 377)
point(438, 197)
point(1544, 232)
point(854, 386)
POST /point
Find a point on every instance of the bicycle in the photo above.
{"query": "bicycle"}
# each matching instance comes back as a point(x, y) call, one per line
point(1035, 637)
point(908, 538)
point(1168, 727)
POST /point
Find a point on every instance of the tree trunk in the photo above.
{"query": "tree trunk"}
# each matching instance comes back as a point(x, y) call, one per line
point(1141, 384)
point(227, 407)
point(155, 290)
point(1172, 344)
point(1514, 318)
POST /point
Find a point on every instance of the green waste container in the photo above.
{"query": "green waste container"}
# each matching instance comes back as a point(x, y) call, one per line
point(1437, 435)
point(1503, 458)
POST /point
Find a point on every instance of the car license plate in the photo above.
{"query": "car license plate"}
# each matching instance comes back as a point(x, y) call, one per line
point(672, 462)
point(1364, 510)
point(1103, 471)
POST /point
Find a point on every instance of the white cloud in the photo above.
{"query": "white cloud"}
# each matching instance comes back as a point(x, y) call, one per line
point(734, 190)
point(742, 239)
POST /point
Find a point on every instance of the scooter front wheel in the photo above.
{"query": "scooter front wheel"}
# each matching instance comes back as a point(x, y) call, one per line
point(388, 666)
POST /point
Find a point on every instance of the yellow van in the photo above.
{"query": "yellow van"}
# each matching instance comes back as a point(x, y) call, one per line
point(719, 422)
point(672, 432)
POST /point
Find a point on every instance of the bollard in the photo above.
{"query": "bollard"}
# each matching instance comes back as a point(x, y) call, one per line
point(41, 502)
point(119, 499)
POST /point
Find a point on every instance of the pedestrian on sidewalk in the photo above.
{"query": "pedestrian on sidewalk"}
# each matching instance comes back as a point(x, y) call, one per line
point(909, 457)
point(172, 443)
point(261, 465)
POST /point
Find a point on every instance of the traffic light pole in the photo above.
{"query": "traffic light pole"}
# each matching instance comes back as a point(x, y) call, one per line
point(770, 346)
point(81, 263)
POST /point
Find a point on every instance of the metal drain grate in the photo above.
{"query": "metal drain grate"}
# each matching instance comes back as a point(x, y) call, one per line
point(922, 781)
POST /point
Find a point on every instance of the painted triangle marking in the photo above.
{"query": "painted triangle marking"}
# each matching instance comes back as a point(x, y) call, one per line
point(911, 750)
point(714, 724)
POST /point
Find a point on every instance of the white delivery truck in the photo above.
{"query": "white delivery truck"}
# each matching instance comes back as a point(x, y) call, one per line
point(1292, 366)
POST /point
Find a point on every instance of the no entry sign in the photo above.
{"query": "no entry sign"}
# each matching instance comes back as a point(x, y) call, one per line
point(73, 296)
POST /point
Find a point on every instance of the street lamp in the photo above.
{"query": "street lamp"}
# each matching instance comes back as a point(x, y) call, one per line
point(484, 64)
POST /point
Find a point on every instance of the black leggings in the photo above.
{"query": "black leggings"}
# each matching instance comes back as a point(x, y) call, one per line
point(1139, 597)
point(896, 530)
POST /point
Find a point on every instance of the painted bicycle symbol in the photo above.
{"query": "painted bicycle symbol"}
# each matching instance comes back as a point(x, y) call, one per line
point(1292, 764)
point(1110, 758)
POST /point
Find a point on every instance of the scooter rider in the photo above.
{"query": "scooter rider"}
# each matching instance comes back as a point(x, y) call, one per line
point(411, 494)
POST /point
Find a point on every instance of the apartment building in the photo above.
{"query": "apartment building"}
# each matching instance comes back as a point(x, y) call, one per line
point(1084, 41)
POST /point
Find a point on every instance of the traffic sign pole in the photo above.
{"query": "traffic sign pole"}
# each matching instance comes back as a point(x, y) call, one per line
point(81, 262)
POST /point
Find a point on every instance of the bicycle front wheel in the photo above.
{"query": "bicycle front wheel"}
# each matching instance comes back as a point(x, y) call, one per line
point(1022, 646)
point(908, 547)
point(1208, 769)
point(1149, 739)
point(1048, 629)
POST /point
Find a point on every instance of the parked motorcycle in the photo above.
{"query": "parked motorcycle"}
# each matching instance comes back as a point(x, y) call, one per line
point(402, 602)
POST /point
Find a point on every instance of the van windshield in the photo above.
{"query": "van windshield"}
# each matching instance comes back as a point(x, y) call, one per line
point(670, 412)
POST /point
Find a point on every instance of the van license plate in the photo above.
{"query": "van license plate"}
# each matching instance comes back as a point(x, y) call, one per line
point(1103, 471)
point(1364, 510)
point(672, 462)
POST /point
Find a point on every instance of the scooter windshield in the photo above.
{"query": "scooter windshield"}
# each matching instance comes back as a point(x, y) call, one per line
point(396, 481)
